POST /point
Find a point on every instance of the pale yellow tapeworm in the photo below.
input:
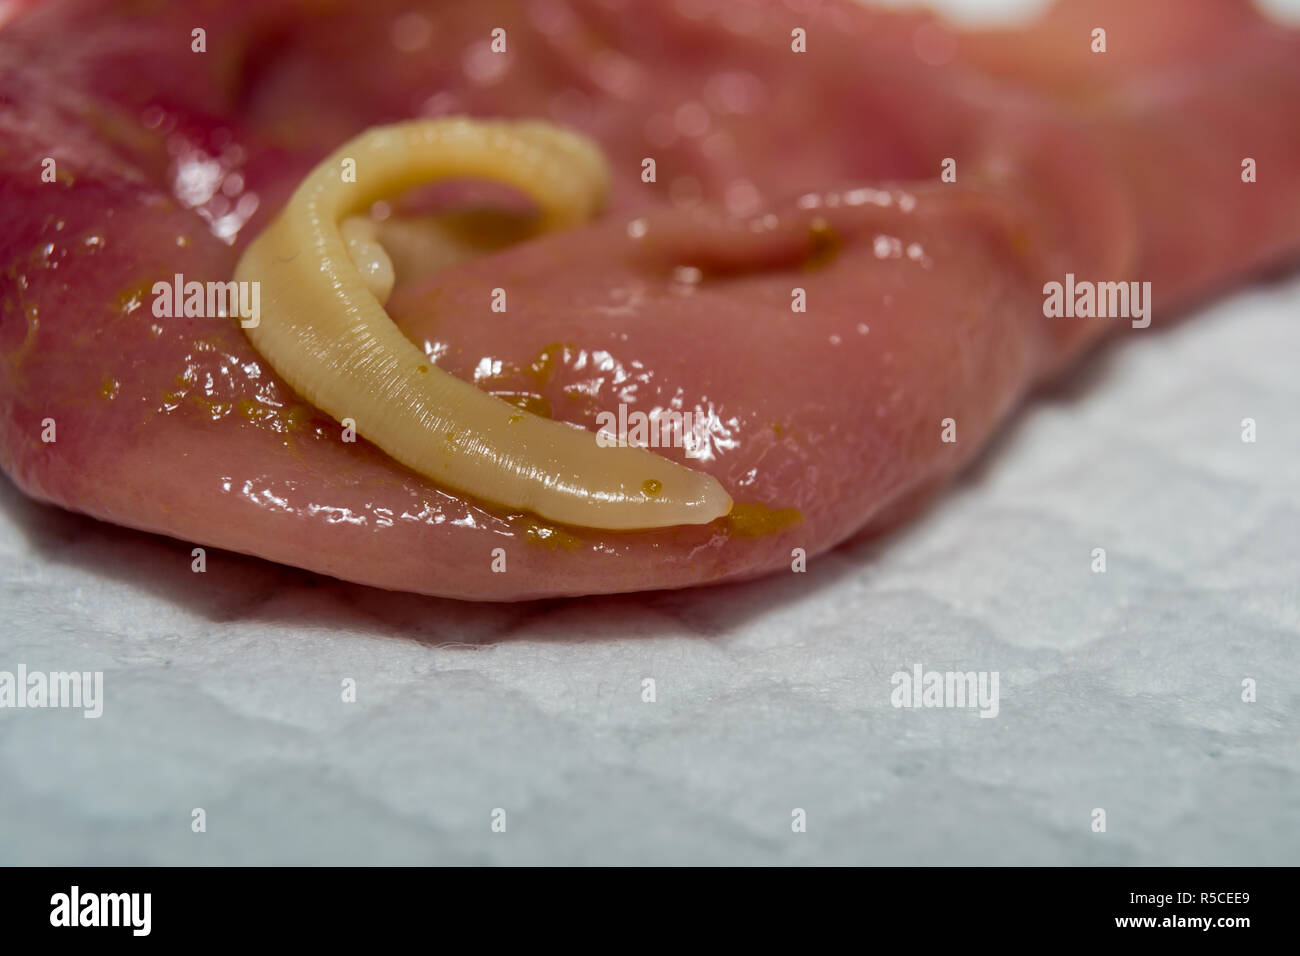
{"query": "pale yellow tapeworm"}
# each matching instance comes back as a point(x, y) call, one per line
point(323, 328)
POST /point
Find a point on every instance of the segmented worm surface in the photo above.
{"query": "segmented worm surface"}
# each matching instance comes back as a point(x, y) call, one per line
point(323, 327)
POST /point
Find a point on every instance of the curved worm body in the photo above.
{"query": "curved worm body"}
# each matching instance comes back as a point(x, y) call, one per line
point(324, 329)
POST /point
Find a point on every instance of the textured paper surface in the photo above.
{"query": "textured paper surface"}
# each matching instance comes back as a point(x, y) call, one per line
point(1119, 691)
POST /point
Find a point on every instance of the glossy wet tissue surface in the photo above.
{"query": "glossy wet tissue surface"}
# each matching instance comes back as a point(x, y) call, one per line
point(1119, 690)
